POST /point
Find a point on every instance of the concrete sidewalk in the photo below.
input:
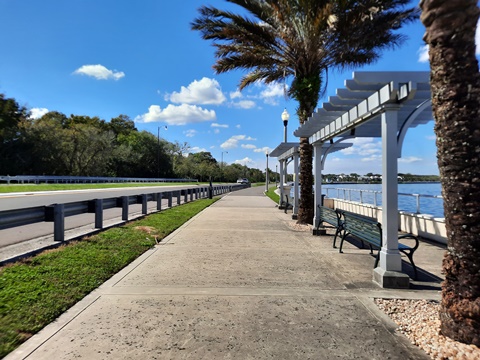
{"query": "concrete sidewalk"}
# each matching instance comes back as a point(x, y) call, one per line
point(237, 282)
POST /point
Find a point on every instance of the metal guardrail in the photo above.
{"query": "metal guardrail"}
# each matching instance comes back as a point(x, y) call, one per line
point(56, 213)
point(52, 179)
point(347, 195)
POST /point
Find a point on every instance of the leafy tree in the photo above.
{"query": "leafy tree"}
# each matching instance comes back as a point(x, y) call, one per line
point(122, 125)
point(455, 85)
point(301, 40)
point(11, 116)
point(142, 156)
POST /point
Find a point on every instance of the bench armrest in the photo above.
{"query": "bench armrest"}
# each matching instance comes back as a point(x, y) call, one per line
point(411, 236)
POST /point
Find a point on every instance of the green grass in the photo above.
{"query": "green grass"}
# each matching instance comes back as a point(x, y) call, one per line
point(35, 291)
point(7, 188)
point(272, 195)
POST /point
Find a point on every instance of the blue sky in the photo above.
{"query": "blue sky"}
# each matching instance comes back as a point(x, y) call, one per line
point(140, 58)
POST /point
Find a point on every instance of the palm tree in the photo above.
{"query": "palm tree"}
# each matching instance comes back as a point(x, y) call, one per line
point(455, 86)
point(300, 40)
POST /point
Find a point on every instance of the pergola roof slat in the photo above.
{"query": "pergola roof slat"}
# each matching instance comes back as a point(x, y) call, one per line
point(364, 99)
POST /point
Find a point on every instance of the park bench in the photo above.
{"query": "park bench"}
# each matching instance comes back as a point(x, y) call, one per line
point(370, 231)
point(329, 216)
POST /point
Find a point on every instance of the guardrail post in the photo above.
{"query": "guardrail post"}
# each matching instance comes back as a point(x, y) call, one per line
point(185, 196)
point(170, 196)
point(159, 201)
point(58, 222)
point(191, 194)
point(179, 195)
point(56, 214)
point(99, 213)
point(124, 208)
point(144, 204)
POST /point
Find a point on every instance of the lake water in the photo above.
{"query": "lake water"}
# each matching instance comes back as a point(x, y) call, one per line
point(428, 205)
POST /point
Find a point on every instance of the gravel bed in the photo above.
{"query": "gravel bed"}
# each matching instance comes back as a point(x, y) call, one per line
point(418, 320)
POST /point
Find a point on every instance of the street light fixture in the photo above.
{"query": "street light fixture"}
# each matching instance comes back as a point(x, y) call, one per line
point(285, 117)
point(221, 164)
point(266, 173)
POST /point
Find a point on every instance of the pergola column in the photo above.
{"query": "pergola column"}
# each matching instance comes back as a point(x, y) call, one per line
point(295, 186)
point(389, 274)
point(317, 171)
point(282, 181)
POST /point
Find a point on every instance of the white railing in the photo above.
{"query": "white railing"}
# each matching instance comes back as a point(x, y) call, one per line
point(371, 197)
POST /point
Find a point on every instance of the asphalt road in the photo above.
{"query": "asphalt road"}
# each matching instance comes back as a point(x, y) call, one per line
point(11, 201)
point(74, 225)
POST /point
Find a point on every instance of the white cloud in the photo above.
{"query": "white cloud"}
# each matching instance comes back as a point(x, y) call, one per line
point(423, 54)
point(177, 115)
point(36, 113)
point(204, 92)
point(236, 95)
point(99, 72)
point(272, 92)
point(216, 125)
point(263, 150)
point(216, 131)
point(363, 146)
point(190, 133)
point(244, 161)
point(373, 158)
point(197, 149)
point(244, 104)
point(409, 160)
point(238, 126)
point(431, 137)
point(234, 140)
point(248, 146)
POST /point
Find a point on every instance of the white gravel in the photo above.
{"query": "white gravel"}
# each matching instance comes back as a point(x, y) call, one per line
point(419, 321)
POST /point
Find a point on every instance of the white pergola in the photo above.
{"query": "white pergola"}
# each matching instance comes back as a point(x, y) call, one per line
point(287, 152)
point(374, 104)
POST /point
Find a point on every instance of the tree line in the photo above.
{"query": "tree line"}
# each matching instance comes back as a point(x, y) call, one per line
point(77, 145)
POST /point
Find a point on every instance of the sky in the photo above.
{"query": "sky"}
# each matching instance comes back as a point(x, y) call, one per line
point(141, 59)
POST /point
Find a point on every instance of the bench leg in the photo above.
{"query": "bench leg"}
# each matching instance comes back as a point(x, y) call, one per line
point(410, 257)
point(337, 232)
point(377, 258)
point(341, 242)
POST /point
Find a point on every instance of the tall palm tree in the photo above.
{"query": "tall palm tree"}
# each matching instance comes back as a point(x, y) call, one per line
point(300, 40)
point(455, 86)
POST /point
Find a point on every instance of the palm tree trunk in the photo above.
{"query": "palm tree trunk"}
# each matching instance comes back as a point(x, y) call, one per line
point(455, 86)
point(305, 205)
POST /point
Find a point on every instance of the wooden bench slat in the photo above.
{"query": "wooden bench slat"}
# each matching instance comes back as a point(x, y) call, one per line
point(370, 231)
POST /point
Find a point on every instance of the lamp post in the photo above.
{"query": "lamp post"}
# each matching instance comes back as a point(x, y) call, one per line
point(158, 151)
point(221, 164)
point(266, 173)
point(285, 117)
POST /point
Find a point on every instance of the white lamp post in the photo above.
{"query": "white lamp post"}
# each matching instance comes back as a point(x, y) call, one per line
point(221, 164)
point(266, 173)
point(285, 117)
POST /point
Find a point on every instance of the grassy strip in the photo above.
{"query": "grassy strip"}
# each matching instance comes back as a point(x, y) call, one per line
point(8, 188)
point(272, 195)
point(35, 291)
